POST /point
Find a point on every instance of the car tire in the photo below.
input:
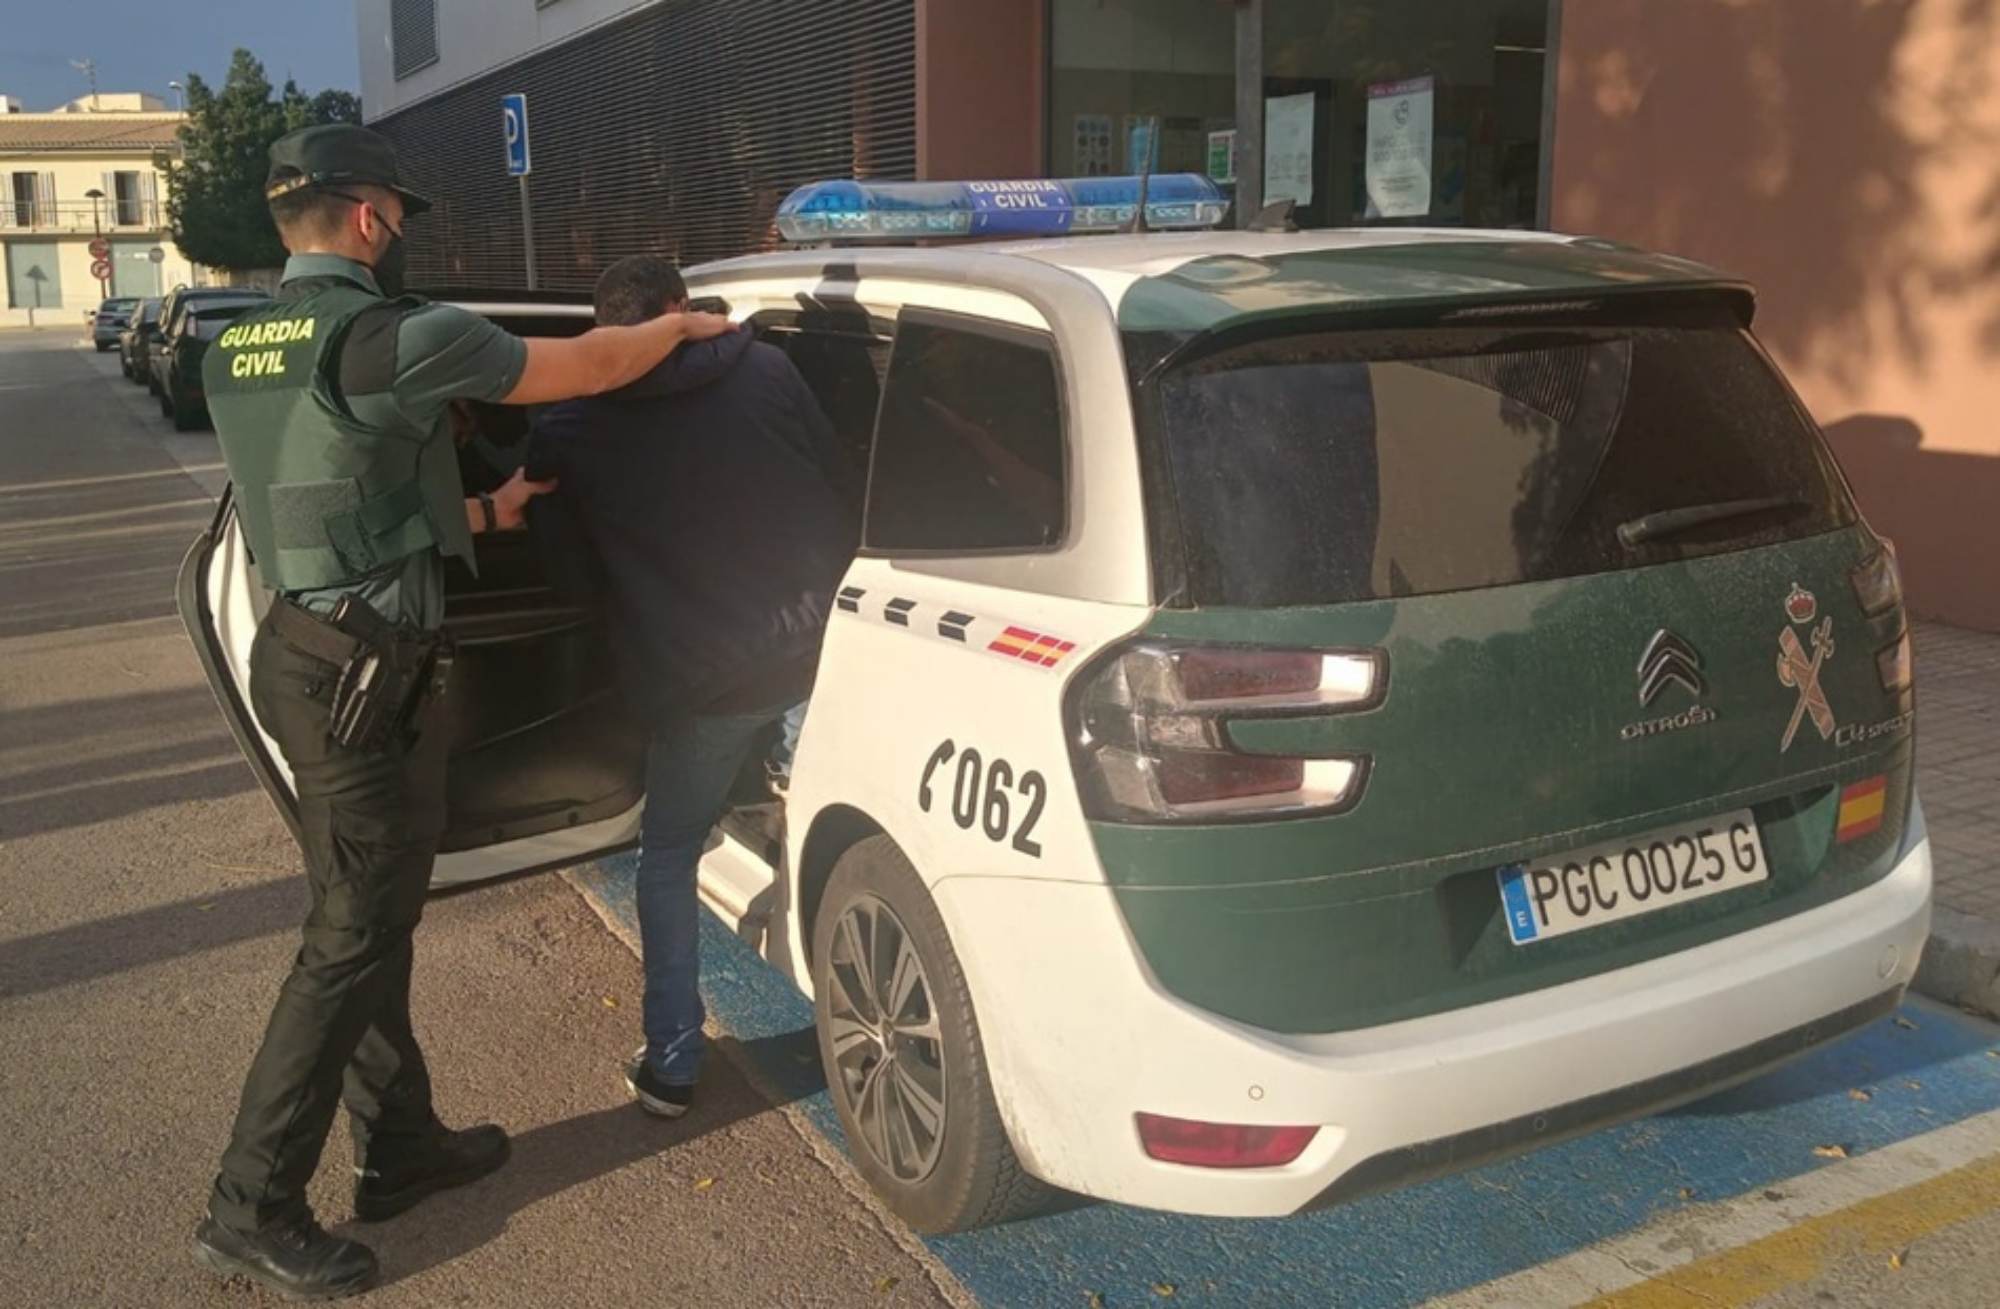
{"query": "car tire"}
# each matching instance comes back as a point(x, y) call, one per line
point(966, 1174)
point(101, 346)
point(186, 417)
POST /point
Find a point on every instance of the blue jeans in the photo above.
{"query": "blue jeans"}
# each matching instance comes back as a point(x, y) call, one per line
point(689, 770)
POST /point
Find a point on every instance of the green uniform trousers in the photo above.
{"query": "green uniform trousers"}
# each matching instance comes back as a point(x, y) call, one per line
point(369, 823)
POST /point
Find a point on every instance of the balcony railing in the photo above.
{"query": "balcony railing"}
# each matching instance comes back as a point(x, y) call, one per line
point(82, 216)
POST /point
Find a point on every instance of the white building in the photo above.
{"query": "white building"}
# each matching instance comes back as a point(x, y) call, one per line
point(49, 164)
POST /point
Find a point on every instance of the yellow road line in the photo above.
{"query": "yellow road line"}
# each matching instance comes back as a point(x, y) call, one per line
point(1877, 1226)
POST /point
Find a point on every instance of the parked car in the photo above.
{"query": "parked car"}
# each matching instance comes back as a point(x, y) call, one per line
point(132, 342)
point(176, 304)
point(182, 396)
point(109, 319)
point(1310, 711)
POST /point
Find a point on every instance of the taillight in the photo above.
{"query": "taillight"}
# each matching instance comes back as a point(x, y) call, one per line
point(1221, 1145)
point(1876, 584)
point(1150, 727)
point(1894, 665)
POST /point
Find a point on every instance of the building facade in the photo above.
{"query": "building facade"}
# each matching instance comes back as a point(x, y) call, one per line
point(1836, 152)
point(49, 164)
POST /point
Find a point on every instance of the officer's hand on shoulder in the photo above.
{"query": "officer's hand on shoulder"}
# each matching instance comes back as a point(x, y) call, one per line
point(605, 358)
point(700, 327)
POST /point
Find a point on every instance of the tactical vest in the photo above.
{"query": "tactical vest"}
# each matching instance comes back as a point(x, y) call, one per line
point(323, 498)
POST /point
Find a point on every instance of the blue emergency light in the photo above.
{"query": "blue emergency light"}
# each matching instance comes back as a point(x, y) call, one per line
point(909, 211)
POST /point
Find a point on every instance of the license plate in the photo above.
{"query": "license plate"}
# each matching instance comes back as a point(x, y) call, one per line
point(1630, 876)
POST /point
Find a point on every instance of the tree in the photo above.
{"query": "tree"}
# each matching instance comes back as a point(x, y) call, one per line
point(215, 187)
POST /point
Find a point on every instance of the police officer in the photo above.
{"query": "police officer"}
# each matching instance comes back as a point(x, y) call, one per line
point(331, 408)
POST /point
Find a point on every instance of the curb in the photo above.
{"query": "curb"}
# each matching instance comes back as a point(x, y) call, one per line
point(1961, 964)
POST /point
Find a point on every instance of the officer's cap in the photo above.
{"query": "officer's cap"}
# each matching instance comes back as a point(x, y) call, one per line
point(334, 155)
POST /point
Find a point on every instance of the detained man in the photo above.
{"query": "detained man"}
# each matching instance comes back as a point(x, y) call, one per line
point(710, 496)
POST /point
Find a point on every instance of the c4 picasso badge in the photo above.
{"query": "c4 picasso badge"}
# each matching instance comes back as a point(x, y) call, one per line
point(1795, 670)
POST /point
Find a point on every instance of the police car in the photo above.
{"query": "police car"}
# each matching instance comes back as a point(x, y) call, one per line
point(1311, 710)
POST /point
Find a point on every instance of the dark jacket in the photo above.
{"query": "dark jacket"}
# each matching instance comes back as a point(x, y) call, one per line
point(716, 508)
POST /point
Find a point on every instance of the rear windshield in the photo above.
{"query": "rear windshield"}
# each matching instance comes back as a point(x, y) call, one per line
point(1320, 468)
point(207, 324)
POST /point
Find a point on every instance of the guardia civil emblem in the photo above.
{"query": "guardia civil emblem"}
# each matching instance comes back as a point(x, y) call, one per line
point(1797, 670)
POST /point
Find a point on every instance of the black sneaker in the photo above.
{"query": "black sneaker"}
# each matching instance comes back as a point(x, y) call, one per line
point(401, 1171)
point(661, 1099)
point(294, 1257)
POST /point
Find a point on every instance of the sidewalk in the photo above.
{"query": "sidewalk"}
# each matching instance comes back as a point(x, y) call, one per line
point(1958, 779)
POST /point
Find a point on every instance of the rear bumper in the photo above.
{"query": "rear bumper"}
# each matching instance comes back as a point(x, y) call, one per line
point(1079, 1038)
point(1452, 1154)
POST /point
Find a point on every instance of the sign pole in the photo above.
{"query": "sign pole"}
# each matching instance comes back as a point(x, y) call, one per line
point(514, 127)
point(528, 229)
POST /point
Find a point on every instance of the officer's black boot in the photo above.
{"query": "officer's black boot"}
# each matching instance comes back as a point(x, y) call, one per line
point(292, 1256)
point(394, 1172)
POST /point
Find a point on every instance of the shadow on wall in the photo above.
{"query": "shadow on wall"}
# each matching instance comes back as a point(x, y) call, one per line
point(1782, 139)
point(1941, 507)
point(1845, 156)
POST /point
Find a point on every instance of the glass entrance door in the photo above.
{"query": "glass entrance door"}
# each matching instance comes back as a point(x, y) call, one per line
point(1422, 112)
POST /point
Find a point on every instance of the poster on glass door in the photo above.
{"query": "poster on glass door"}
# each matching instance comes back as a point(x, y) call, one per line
point(1398, 169)
point(1288, 149)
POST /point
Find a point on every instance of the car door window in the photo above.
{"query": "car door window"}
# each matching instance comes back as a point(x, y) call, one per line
point(969, 453)
point(842, 354)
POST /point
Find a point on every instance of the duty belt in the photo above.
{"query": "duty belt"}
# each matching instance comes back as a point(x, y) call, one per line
point(311, 633)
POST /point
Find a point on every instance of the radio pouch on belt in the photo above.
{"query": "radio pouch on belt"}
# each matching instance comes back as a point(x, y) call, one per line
point(385, 681)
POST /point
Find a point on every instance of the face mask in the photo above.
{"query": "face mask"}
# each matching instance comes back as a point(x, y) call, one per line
point(389, 264)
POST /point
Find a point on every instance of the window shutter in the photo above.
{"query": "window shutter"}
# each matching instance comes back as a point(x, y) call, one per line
point(46, 202)
point(413, 35)
point(675, 129)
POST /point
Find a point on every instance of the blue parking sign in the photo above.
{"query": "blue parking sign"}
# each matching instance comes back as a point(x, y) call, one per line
point(514, 116)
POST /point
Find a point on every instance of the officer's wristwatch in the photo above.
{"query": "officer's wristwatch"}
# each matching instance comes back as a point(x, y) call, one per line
point(492, 515)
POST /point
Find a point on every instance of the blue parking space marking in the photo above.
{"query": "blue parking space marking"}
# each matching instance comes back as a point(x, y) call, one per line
point(1921, 1070)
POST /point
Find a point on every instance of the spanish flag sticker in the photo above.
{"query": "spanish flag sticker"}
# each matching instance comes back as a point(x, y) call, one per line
point(1034, 647)
point(1861, 808)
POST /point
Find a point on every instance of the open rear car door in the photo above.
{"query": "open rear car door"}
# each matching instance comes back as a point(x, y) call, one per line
point(547, 760)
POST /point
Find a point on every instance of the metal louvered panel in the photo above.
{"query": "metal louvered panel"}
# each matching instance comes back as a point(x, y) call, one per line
point(676, 130)
point(413, 35)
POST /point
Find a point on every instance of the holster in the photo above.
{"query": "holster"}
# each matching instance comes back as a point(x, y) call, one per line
point(388, 672)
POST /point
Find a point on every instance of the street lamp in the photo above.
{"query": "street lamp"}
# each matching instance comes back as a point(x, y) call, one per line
point(179, 103)
point(97, 233)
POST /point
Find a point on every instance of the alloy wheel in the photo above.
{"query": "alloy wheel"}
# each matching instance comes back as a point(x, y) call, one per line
point(887, 1046)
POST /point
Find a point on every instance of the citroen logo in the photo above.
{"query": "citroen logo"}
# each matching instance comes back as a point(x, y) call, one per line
point(1669, 659)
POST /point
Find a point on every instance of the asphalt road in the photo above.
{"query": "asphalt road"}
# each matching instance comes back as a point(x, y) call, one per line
point(148, 906)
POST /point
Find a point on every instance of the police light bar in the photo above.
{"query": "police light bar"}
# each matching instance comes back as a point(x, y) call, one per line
point(907, 211)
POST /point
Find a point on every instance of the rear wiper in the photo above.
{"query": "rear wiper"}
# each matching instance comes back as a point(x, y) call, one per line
point(1668, 522)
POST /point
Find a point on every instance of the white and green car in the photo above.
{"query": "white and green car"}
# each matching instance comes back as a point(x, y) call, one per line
point(1312, 711)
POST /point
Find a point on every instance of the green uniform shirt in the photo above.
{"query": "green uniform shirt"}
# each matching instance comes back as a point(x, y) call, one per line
point(437, 354)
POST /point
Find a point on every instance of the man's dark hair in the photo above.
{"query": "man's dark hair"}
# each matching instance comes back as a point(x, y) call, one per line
point(309, 215)
point(636, 288)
